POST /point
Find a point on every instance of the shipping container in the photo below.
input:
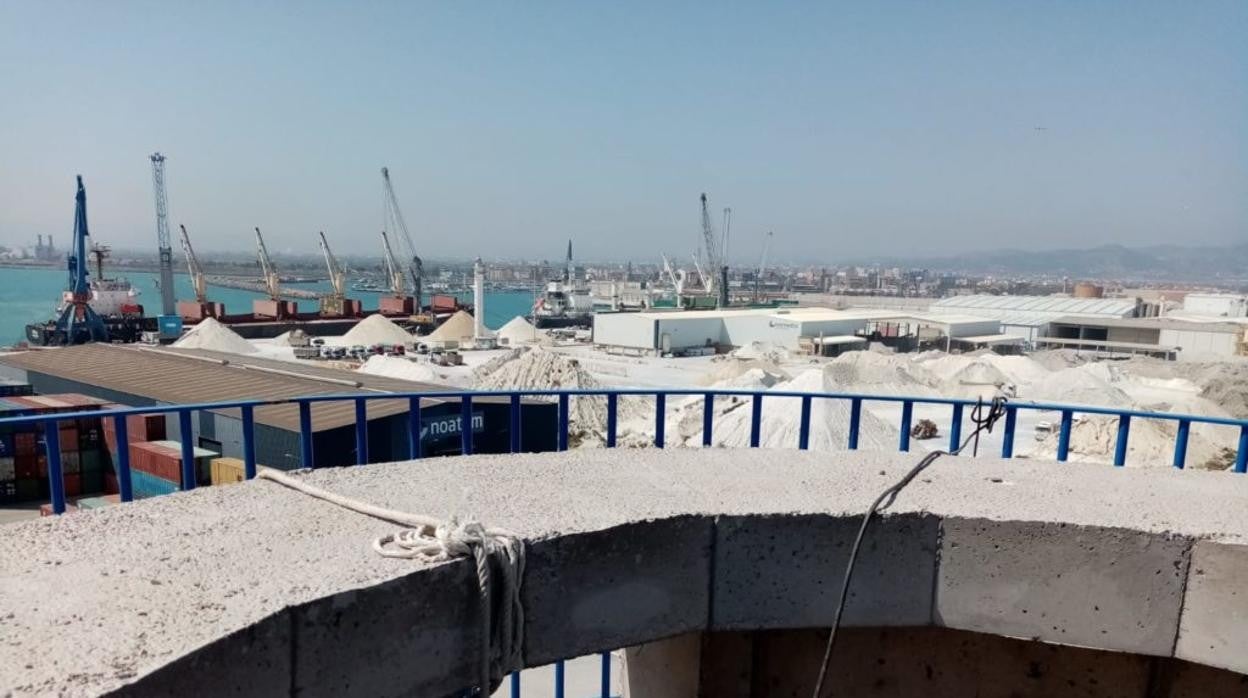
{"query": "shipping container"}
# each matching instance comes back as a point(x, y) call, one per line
point(92, 482)
point(12, 388)
point(24, 443)
point(8, 469)
point(8, 492)
point(26, 467)
point(73, 484)
point(107, 500)
point(146, 485)
point(226, 471)
point(202, 456)
point(6, 446)
point(27, 489)
point(110, 483)
point(71, 463)
point(155, 459)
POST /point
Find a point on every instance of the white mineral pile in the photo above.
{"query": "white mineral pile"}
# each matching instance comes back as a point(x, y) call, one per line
point(214, 336)
point(538, 368)
point(880, 374)
point(764, 351)
point(684, 418)
point(781, 421)
point(1151, 443)
point(398, 367)
point(457, 328)
point(518, 332)
point(376, 329)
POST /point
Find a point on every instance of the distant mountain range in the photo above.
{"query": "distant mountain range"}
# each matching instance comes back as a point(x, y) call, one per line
point(1171, 262)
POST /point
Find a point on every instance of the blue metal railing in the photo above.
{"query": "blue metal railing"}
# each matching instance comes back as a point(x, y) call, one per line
point(50, 424)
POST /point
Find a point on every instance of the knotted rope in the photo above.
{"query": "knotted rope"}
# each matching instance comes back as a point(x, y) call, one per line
point(496, 551)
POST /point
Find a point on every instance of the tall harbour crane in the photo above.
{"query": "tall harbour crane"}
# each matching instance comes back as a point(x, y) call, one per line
point(394, 220)
point(394, 272)
point(714, 259)
point(198, 282)
point(762, 267)
point(163, 244)
point(272, 284)
point(334, 303)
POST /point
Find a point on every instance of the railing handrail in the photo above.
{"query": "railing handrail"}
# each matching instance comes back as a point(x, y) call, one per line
point(639, 392)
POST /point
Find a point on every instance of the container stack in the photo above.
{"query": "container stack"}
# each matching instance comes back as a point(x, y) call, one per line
point(140, 428)
point(23, 448)
point(226, 471)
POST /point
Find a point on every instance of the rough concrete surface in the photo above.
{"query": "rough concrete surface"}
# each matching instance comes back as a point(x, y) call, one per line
point(1214, 629)
point(97, 600)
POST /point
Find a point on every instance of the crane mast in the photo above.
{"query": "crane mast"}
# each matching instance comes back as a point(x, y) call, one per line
point(714, 260)
point(394, 219)
point(163, 244)
point(198, 283)
point(394, 273)
point(762, 267)
point(271, 284)
point(335, 303)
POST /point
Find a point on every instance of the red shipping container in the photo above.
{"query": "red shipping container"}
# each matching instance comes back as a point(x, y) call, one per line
point(26, 467)
point(110, 484)
point(73, 485)
point(24, 443)
point(389, 305)
point(41, 464)
point(69, 439)
point(161, 461)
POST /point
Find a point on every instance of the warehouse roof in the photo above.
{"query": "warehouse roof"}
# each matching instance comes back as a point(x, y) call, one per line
point(1221, 325)
point(181, 376)
point(1034, 311)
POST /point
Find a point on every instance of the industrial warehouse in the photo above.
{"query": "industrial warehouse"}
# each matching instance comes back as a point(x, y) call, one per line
point(141, 377)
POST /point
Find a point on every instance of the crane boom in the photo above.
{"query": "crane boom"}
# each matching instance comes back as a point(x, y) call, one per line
point(163, 244)
point(710, 278)
point(394, 219)
point(267, 269)
point(198, 282)
point(337, 277)
point(394, 273)
point(762, 266)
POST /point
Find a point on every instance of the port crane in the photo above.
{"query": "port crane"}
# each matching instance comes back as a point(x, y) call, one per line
point(394, 272)
point(78, 322)
point(394, 219)
point(271, 280)
point(163, 244)
point(199, 284)
point(762, 267)
point(715, 264)
point(333, 304)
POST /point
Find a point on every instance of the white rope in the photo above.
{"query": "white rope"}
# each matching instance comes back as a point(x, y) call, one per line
point(434, 540)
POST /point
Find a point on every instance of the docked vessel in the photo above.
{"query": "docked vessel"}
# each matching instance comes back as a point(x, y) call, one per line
point(566, 302)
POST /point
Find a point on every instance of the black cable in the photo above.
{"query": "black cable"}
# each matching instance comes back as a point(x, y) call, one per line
point(983, 423)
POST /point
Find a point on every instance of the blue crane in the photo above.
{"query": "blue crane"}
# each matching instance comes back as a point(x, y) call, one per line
point(78, 323)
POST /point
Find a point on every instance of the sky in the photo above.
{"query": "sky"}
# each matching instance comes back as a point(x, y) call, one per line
point(849, 129)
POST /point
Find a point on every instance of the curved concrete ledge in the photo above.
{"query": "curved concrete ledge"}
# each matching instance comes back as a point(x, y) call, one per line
point(253, 589)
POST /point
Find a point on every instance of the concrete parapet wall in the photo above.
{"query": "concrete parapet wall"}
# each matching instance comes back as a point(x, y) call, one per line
point(254, 589)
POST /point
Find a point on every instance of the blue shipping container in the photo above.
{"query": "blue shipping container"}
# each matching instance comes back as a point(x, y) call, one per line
point(6, 445)
point(147, 485)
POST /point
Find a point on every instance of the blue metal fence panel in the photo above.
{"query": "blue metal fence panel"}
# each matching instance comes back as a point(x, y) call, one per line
point(56, 478)
point(306, 455)
point(907, 417)
point(855, 421)
point(249, 441)
point(612, 407)
point(955, 429)
point(1180, 443)
point(660, 419)
point(187, 438)
point(465, 424)
point(708, 418)
point(756, 420)
point(361, 431)
point(1063, 436)
point(414, 427)
point(1007, 438)
point(803, 428)
point(1120, 447)
point(121, 437)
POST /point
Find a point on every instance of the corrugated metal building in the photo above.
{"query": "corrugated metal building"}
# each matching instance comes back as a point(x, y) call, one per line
point(140, 377)
point(1029, 316)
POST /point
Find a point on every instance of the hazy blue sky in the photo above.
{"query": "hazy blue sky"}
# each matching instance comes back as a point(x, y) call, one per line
point(847, 128)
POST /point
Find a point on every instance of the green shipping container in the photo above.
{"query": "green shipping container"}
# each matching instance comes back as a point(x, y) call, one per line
point(92, 462)
point(92, 482)
point(27, 490)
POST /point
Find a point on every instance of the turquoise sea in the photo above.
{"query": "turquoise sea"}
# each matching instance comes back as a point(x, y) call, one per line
point(31, 295)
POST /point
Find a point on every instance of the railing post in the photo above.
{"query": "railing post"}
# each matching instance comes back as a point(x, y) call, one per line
point(756, 420)
point(121, 435)
point(559, 679)
point(187, 433)
point(465, 423)
point(803, 433)
point(414, 427)
point(855, 419)
point(562, 435)
point(606, 675)
point(305, 435)
point(1124, 432)
point(1241, 457)
point(515, 684)
point(660, 419)
point(612, 408)
point(708, 418)
point(955, 429)
point(56, 476)
point(907, 417)
point(361, 431)
point(249, 442)
point(1180, 443)
point(1007, 438)
point(513, 427)
point(1063, 436)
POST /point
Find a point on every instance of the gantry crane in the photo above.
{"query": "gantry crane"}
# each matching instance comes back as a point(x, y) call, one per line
point(78, 322)
point(394, 219)
point(163, 244)
point(334, 303)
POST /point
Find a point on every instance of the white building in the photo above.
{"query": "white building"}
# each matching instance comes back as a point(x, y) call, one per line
point(1216, 305)
point(1029, 316)
point(1168, 337)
